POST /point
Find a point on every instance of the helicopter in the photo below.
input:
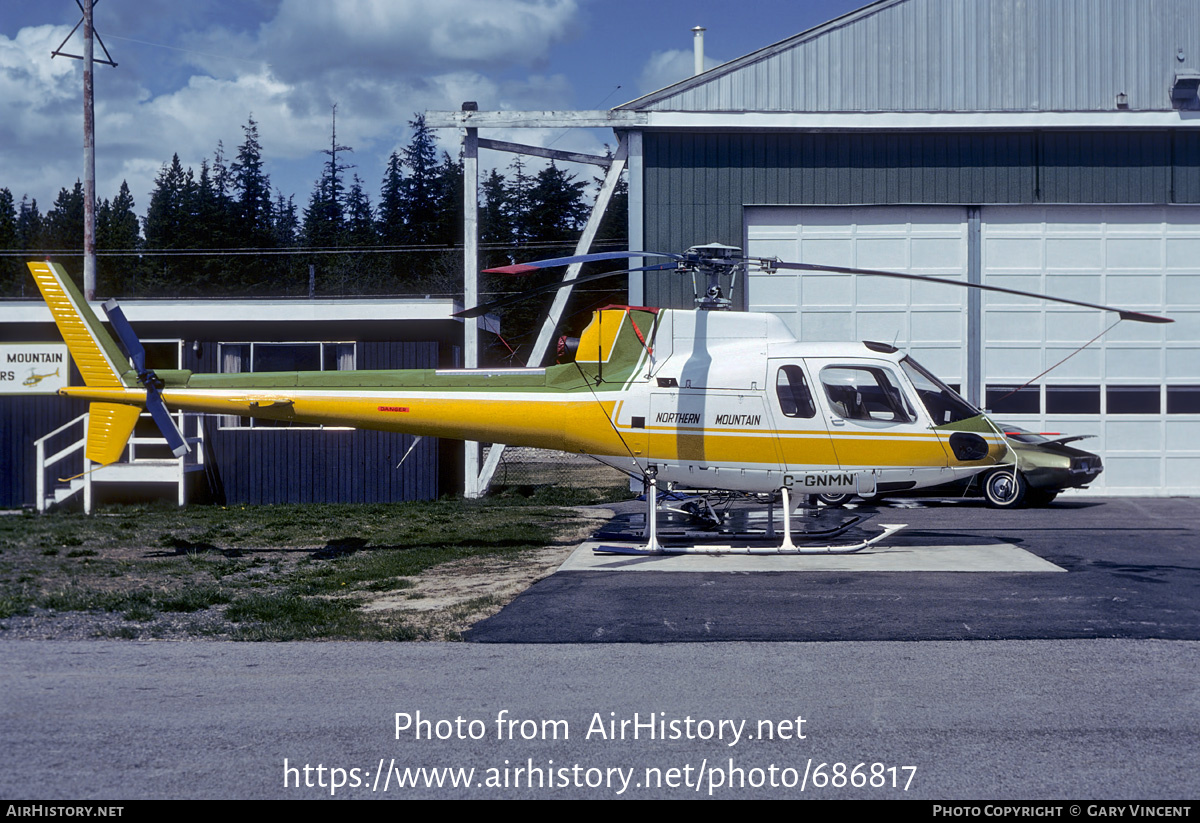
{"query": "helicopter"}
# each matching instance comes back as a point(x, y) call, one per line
point(704, 399)
point(34, 378)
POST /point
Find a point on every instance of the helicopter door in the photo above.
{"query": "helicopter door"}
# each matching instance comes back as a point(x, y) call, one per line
point(879, 433)
point(804, 442)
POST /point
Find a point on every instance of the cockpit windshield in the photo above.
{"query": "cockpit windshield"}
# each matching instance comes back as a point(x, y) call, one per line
point(942, 402)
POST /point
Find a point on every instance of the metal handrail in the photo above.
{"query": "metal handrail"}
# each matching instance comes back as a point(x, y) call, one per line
point(61, 428)
point(43, 463)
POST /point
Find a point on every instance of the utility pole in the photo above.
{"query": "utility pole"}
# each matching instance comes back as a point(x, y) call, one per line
point(89, 140)
point(472, 451)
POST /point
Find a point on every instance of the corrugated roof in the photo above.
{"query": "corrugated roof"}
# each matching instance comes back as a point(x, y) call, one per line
point(959, 56)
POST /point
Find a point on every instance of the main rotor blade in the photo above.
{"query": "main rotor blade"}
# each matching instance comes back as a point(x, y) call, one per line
point(480, 310)
point(125, 335)
point(1125, 314)
point(526, 268)
point(165, 423)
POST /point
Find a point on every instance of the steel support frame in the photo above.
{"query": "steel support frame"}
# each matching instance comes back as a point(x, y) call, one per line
point(479, 479)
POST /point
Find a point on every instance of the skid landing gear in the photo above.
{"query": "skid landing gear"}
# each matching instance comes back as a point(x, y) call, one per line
point(654, 546)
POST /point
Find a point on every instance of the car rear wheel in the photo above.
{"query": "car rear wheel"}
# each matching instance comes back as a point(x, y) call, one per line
point(835, 500)
point(1005, 489)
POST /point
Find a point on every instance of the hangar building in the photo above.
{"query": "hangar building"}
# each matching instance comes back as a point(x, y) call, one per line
point(1045, 145)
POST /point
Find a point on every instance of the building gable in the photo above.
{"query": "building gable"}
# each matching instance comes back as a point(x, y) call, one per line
point(960, 56)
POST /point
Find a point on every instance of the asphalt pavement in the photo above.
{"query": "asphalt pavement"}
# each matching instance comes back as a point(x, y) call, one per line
point(1132, 571)
point(1032, 655)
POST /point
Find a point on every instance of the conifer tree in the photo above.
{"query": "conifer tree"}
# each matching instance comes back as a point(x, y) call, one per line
point(166, 216)
point(421, 195)
point(448, 188)
point(556, 207)
point(325, 217)
point(495, 215)
point(30, 228)
point(613, 231)
point(253, 188)
point(117, 230)
point(391, 228)
point(360, 220)
point(168, 225)
point(519, 203)
point(287, 225)
point(11, 275)
point(64, 221)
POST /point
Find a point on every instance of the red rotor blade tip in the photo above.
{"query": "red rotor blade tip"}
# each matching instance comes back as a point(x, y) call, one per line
point(515, 268)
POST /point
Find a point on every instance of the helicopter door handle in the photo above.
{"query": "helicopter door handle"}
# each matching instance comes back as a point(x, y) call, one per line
point(837, 421)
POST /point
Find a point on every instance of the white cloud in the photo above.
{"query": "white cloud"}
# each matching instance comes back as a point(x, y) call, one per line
point(310, 37)
point(38, 97)
point(379, 60)
point(667, 67)
point(34, 90)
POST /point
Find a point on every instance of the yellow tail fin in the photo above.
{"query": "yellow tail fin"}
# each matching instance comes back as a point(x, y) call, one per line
point(93, 349)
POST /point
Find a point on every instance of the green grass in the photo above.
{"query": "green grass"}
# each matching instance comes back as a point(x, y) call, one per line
point(277, 572)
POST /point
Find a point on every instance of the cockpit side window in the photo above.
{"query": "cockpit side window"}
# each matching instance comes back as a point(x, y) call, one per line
point(865, 393)
point(792, 389)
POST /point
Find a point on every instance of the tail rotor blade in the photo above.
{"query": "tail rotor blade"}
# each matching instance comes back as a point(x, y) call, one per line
point(154, 402)
point(125, 334)
point(165, 423)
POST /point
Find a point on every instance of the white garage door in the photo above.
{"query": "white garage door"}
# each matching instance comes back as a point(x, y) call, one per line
point(927, 320)
point(1137, 388)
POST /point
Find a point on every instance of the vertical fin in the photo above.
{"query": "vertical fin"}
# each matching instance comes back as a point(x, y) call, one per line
point(109, 428)
point(93, 349)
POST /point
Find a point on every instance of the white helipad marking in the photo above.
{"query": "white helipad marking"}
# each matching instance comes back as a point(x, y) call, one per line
point(993, 557)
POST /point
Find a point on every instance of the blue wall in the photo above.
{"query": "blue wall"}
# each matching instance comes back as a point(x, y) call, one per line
point(258, 465)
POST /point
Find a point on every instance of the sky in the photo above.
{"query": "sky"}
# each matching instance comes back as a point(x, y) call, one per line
point(192, 74)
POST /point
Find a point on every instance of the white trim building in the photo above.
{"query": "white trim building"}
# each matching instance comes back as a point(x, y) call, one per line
point(1046, 145)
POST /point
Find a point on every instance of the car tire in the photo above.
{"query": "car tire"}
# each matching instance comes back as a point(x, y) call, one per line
point(1037, 497)
point(835, 500)
point(1005, 489)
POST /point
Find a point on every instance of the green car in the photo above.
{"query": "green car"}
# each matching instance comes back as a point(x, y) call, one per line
point(1044, 468)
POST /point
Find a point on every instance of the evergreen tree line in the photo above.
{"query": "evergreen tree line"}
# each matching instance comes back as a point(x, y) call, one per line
point(226, 232)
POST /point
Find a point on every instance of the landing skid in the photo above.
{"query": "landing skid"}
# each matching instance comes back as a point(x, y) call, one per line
point(888, 530)
point(746, 530)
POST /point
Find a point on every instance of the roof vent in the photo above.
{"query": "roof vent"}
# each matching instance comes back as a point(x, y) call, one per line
point(698, 50)
point(1184, 91)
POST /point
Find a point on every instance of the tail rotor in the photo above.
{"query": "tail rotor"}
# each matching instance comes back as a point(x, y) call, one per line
point(147, 378)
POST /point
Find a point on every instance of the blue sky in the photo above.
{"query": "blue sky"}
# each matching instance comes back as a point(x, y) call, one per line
point(191, 74)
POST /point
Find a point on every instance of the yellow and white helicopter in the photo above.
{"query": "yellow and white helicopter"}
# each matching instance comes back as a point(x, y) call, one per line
point(705, 399)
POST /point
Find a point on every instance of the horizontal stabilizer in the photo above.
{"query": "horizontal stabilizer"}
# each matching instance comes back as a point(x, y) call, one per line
point(109, 428)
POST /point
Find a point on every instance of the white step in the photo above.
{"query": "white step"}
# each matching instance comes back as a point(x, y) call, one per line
point(61, 493)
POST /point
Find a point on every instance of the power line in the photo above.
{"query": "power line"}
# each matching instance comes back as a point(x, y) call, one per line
point(301, 250)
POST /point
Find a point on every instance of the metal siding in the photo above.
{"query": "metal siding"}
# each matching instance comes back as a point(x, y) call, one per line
point(261, 466)
point(22, 421)
point(1106, 167)
point(961, 55)
point(822, 168)
point(1185, 169)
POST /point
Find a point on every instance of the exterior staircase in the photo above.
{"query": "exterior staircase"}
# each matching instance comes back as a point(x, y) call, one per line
point(54, 460)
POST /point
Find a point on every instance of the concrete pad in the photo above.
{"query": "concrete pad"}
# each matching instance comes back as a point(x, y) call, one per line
point(992, 557)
